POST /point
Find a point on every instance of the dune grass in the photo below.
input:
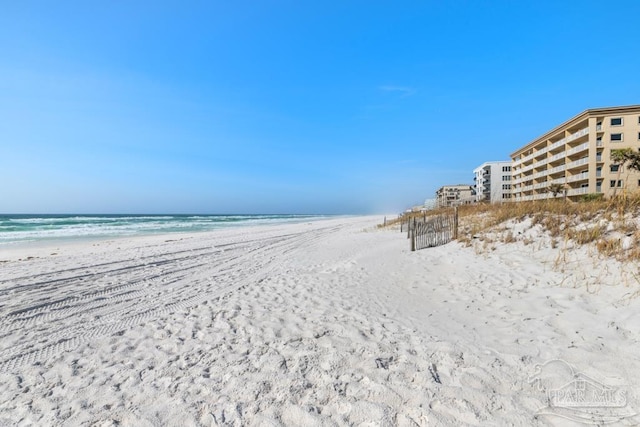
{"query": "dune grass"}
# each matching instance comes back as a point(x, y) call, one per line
point(611, 225)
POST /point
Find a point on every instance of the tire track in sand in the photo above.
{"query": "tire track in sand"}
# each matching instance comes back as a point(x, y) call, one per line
point(158, 290)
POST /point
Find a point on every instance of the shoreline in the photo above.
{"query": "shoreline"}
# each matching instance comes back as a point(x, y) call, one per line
point(11, 251)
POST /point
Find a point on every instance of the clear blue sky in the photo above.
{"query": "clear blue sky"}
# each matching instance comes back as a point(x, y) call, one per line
point(289, 106)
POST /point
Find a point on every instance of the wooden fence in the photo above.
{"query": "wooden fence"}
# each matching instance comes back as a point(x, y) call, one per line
point(430, 231)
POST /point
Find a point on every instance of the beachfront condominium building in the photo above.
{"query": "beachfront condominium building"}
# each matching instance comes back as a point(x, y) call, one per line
point(455, 195)
point(576, 155)
point(492, 181)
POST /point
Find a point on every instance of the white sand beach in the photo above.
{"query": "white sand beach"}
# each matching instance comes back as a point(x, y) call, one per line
point(331, 322)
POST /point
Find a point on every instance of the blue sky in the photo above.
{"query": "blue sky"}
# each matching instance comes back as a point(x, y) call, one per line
point(289, 106)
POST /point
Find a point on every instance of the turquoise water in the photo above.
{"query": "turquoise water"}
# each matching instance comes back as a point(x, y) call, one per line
point(27, 228)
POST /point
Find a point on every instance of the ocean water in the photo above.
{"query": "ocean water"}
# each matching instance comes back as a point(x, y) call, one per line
point(30, 228)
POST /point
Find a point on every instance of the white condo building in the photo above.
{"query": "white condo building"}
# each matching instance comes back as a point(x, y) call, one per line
point(430, 204)
point(492, 181)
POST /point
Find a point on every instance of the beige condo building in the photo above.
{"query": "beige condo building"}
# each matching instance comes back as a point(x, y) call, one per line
point(577, 155)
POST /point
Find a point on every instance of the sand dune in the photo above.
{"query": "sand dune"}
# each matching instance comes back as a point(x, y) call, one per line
point(326, 323)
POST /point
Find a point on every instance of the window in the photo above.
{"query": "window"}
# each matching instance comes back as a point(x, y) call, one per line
point(616, 137)
point(613, 183)
point(615, 168)
point(506, 169)
point(506, 177)
point(506, 186)
point(638, 135)
point(616, 121)
point(506, 195)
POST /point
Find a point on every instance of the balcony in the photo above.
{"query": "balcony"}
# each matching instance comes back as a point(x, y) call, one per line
point(523, 159)
point(578, 149)
point(579, 177)
point(526, 168)
point(540, 163)
point(557, 169)
point(540, 152)
point(556, 157)
point(578, 191)
point(556, 144)
point(524, 179)
point(576, 163)
point(578, 134)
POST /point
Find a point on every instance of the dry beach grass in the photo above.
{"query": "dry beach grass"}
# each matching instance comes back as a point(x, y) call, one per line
point(611, 226)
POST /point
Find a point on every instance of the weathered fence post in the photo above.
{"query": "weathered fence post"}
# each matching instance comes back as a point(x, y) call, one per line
point(455, 223)
point(408, 228)
point(384, 224)
point(413, 239)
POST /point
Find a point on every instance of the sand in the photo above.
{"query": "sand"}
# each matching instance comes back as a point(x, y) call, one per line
point(332, 322)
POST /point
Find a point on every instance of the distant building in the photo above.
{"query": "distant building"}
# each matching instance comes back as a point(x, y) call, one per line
point(455, 195)
point(430, 204)
point(492, 181)
point(576, 155)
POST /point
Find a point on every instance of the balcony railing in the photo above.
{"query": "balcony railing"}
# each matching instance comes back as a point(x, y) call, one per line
point(524, 179)
point(527, 168)
point(557, 157)
point(579, 134)
point(540, 163)
point(556, 144)
point(580, 162)
point(577, 191)
point(579, 177)
point(578, 149)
